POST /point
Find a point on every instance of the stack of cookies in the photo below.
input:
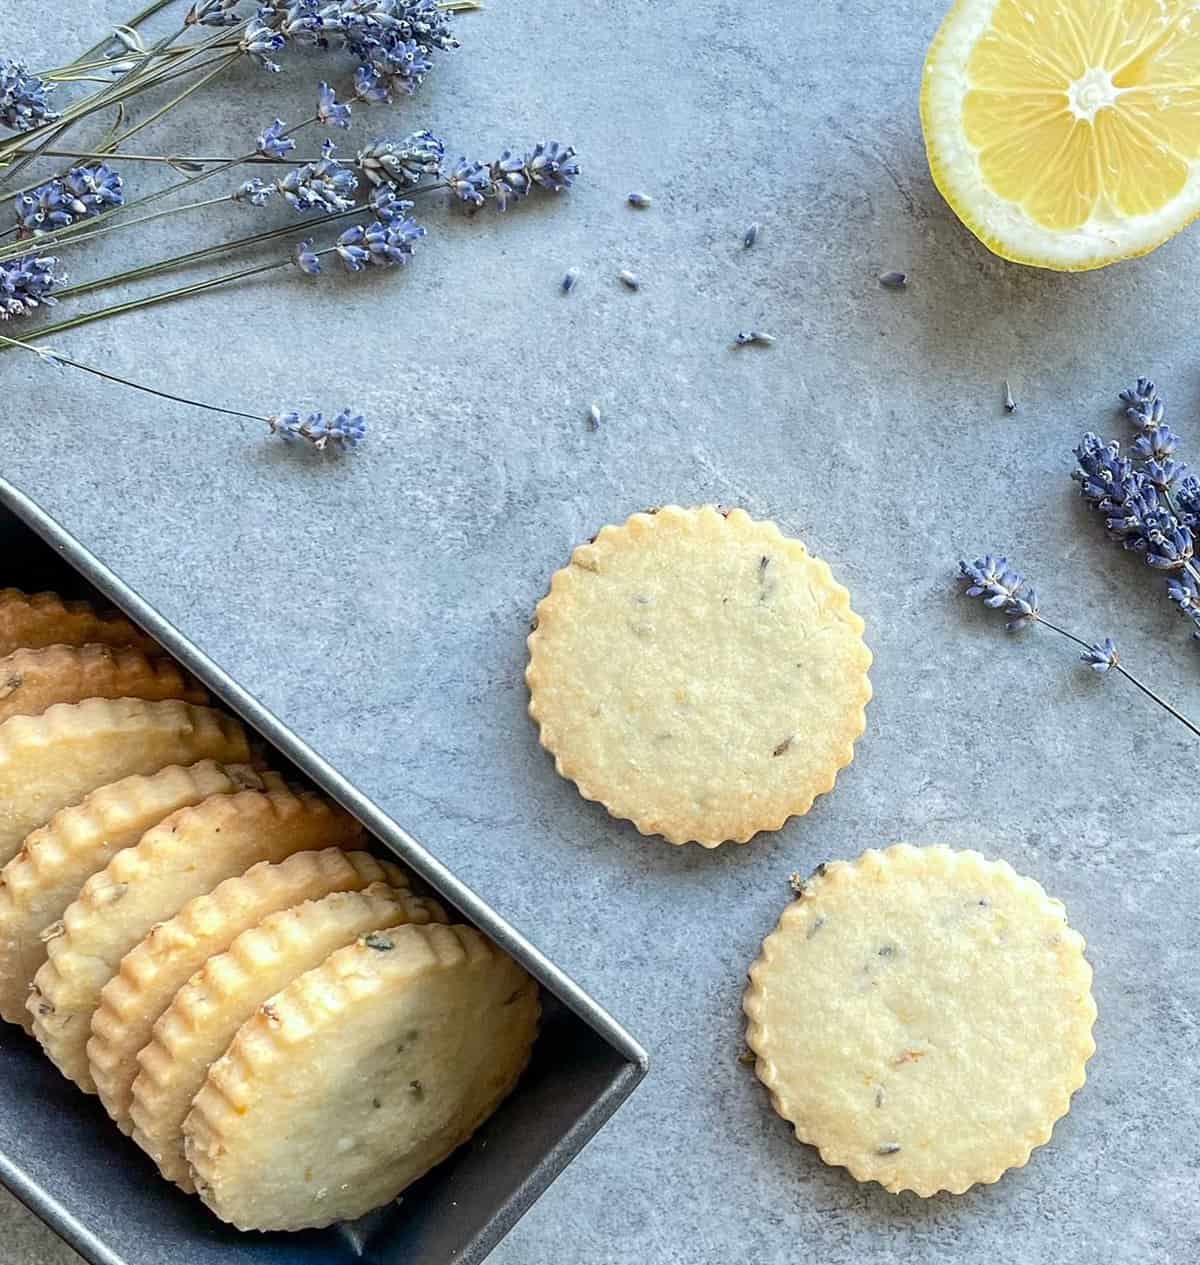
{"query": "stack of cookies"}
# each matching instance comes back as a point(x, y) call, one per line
point(269, 1010)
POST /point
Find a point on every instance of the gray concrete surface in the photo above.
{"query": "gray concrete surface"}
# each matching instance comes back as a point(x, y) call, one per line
point(379, 605)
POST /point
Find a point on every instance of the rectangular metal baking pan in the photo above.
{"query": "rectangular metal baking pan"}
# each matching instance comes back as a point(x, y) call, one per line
point(63, 1157)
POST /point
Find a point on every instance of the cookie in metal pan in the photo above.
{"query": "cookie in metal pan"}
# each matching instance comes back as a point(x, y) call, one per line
point(152, 972)
point(185, 856)
point(208, 1010)
point(55, 861)
point(359, 1077)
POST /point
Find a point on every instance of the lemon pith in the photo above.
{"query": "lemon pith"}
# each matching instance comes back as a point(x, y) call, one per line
point(1066, 133)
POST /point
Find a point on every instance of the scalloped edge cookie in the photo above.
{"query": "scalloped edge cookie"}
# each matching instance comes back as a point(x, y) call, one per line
point(51, 761)
point(359, 1077)
point(209, 1009)
point(55, 861)
point(899, 1064)
point(152, 972)
point(32, 680)
point(785, 735)
point(31, 620)
point(185, 856)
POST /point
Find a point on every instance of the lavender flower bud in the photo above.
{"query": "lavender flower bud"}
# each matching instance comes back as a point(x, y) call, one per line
point(393, 242)
point(393, 69)
point(24, 97)
point(259, 41)
point(552, 167)
point(272, 143)
point(402, 162)
point(325, 185)
point(212, 13)
point(330, 111)
point(350, 252)
point(25, 285)
point(1102, 656)
point(294, 19)
point(1157, 442)
point(80, 194)
point(306, 258)
point(470, 182)
point(254, 192)
point(387, 206)
point(346, 431)
point(510, 180)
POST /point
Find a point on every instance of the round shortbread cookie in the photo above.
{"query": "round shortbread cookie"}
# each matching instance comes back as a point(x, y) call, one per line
point(153, 971)
point(33, 620)
point(183, 857)
point(203, 1019)
point(922, 1016)
point(359, 1077)
point(38, 884)
point(698, 673)
point(51, 761)
point(32, 680)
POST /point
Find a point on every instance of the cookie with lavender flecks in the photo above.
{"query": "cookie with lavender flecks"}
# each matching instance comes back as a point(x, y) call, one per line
point(699, 674)
point(922, 1016)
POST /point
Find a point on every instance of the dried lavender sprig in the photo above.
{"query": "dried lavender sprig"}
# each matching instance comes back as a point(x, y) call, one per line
point(255, 239)
point(390, 240)
point(1002, 588)
point(1150, 503)
point(344, 432)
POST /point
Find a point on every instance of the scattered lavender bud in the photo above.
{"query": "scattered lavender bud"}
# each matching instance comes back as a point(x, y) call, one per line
point(1102, 656)
point(25, 284)
point(639, 200)
point(346, 431)
point(594, 417)
point(750, 236)
point(1010, 405)
point(893, 280)
point(754, 336)
point(331, 112)
point(570, 277)
point(629, 279)
point(272, 143)
point(24, 102)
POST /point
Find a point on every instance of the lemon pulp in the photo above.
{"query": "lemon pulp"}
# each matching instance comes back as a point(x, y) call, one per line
point(1066, 133)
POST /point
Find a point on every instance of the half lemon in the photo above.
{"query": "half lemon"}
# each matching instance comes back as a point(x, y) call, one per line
point(1066, 133)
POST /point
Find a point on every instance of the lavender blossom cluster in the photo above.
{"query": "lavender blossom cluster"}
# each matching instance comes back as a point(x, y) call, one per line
point(511, 177)
point(1149, 501)
point(25, 284)
point(24, 98)
point(81, 193)
point(392, 40)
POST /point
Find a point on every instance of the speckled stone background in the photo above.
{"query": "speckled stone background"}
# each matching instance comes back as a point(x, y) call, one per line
point(379, 605)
